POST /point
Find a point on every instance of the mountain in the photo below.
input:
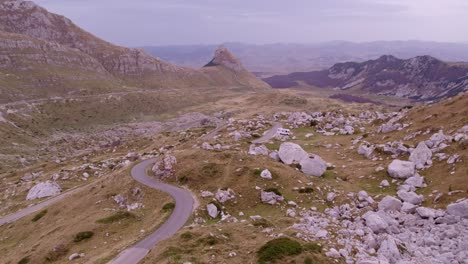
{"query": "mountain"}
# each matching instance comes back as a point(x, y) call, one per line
point(270, 59)
point(42, 48)
point(422, 77)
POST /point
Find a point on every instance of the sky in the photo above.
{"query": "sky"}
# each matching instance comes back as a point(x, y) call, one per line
point(182, 22)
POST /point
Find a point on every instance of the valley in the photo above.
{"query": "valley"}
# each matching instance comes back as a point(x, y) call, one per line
point(109, 154)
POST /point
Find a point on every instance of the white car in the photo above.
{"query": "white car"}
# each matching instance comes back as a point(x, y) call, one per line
point(283, 131)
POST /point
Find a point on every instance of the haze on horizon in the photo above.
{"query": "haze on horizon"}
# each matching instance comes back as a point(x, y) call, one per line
point(182, 22)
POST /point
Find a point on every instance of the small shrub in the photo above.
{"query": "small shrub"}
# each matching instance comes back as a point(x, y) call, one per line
point(121, 215)
point(83, 236)
point(186, 236)
point(39, 215)
point(183, 179)
point(263, 223)
point(312, 247)
point(211, 169)
point(273, 189)
point(307, 260)
point(365, 135)
point(56, 253)
point(168, 207)
point(278, 248)
point(208, 240)
point(313, 122)
point(24, 260)
point(257, 172)
point(306, 190)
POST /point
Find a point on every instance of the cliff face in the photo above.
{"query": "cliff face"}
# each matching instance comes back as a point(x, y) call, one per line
point(423, 77)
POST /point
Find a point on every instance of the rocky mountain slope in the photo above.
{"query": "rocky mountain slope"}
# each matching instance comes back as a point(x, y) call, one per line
point(57, 40)
point(422, 78)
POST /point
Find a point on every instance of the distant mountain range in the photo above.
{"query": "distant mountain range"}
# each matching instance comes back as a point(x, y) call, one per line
point(286, 58)
point(419, 78)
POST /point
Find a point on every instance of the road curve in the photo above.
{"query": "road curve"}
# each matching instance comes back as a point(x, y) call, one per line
point(29, 210)
point(269, 134)
point(182, 211)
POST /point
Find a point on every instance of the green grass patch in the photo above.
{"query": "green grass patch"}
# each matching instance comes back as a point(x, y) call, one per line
point(168, 207)
point(312, 247)
point(39, 215)
point(277, 249)
point(211, 170)
point(83, 236)
point(186, 236)
point(121, 215)
point(208, 240)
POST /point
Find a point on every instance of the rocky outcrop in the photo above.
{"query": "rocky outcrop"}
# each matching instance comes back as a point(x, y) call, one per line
point(421, 155)
point(315, 166)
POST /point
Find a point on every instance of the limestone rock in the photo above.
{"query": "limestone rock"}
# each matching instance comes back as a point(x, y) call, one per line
point(266, 174)
point(257, 150)
point(390, 203)
point(458, 209)
point(315, 166)
point(420, 155)
point(401, 169)
point(43, 189)
point(212, 210)
point(410, 197)
point(271, 197)
point(290, 153)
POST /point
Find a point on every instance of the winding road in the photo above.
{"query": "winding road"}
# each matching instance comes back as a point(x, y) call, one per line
point(269, 134)
point(182, 211)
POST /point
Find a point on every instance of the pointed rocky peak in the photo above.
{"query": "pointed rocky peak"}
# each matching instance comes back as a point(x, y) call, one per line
point(223, 57)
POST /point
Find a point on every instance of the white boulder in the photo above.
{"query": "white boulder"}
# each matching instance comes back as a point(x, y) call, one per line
point(43, 189)
point(212, 210)
point(290, 153)
point(410, 197)
point(421, 155)
point(271, 197)
point(400, 169)
point(315, 166)
point(390, 203)
point(266, 174)
point(458, 209)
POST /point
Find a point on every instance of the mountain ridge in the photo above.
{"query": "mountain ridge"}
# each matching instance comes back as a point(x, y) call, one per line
point(421, 77)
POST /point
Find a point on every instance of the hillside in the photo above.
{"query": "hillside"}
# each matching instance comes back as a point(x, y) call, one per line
point(420, 78)
point(57, 40)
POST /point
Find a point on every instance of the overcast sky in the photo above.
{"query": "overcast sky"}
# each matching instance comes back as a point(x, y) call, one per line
point(162, 22)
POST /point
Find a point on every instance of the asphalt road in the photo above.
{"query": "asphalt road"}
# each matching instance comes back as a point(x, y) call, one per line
point(182, 211)
point(24, 212)
point(269, 134)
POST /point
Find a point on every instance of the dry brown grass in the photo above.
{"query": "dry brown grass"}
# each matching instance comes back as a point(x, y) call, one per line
point(79, 213)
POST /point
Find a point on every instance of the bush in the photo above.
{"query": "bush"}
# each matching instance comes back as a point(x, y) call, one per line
point(211, 170)
point(208, 240)
point(56, 253)
point(183, 179)
point(83, 236)
point(168, 207)
point(278, 248)
point(312, 247)
point(307, 260)
point(24, 260)
point(39, 215)
point(121, 215)
point(306, 190)
point(313, 122)
point(263, 223)
point(257, 172)
point(186, 235)
point(272, 189)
